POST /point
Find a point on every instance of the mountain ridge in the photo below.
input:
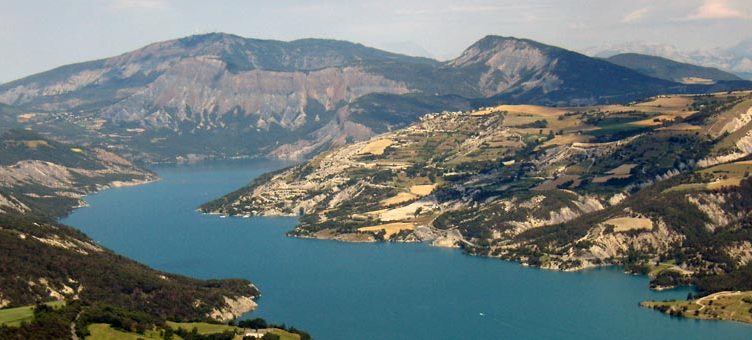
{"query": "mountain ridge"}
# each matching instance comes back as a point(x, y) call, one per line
point(221, 95)
point(671, 70)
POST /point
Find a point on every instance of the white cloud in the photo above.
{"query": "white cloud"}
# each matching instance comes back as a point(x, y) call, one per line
point(141, 4)
point(717, 9)
point(635, 15)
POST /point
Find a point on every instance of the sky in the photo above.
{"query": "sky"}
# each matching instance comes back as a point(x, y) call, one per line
point(37, 35)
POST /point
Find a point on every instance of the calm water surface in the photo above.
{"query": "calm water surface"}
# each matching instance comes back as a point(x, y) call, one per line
point(371, 291)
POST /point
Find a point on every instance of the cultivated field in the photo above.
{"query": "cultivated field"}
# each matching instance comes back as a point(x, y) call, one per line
point(14, 316)
point(376, 147)
point(390, 229)
point(622, 224)
point(422, 190)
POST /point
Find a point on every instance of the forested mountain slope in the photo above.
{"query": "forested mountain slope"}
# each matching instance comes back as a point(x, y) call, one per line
point(41, 260)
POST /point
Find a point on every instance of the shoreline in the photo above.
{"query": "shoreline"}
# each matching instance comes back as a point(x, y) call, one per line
point(622, 267)
point(82, 203)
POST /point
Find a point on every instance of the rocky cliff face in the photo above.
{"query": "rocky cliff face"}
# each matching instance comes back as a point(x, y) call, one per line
point(201, 93)
point(215, 82)
point(509, 63)
point(196, 81)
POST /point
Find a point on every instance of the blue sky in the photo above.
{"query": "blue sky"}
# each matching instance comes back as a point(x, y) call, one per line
point(36, 35)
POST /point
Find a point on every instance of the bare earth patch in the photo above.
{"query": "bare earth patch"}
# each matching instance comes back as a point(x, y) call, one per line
point(681, 127)
point(33, 144)
point(566, 140)
point(667, 102)
point(622, 224)
point(533, 110)
point(390, 229)
point(604, 179)
point(399, 198)
point(376, 147)
point(697, 80)
point(22, 118)
point(728, 182)
point(623, 169)
point(485, 112)
point(422, 190)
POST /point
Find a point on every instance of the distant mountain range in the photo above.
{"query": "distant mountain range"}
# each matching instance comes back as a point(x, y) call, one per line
point(662, 68)
point(221, 95)
point(736, 59)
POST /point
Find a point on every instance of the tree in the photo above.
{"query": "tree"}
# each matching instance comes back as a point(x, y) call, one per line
point(257, 323)
point(270, 336)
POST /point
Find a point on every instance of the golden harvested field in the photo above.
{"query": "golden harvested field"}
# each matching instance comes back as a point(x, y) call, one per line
point(667, 108)
point(620, 172)
point(535, 110)
point(399, 198)
point(33, 144)
point(727, 175)
point(664, 117)
point(516, 119)
point(719, 184)
point(485, 112)
point(623, 169)
point(681, 127)
point(525, 114)
point(604, 179)
point(697, 80)
point(688, 187)
point(403, 213)
point(22, 118)
point(676, 102)
point(730, 170)
point(653, 121)
point(622, 224)
point(555, 183)
point(728, 182)
point(566, 139)
point(390, 229)
point(422, 190)
point(376, 147)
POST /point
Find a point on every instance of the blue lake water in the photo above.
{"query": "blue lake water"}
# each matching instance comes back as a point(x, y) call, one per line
point(371, 291)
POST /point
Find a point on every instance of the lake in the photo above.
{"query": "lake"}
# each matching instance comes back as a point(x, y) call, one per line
point(370, 291)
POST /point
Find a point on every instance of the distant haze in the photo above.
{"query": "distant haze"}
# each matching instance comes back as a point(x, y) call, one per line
point(39, 35)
